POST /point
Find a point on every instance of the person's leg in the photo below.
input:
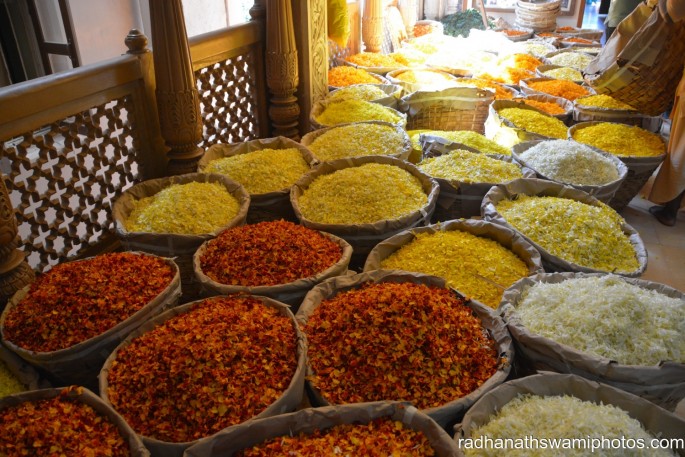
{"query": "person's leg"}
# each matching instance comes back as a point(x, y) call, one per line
point(668, 213)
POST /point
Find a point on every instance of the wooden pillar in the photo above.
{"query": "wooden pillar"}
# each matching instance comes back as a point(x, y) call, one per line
point(152, 154)
point(372, 25)
point(178, 101)
point(15, 273)
point(312, 45)
point(281, 69)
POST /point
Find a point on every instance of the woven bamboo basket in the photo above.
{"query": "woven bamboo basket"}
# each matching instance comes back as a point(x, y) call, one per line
point(539, 16)
point(642, 63)
point(455, 108)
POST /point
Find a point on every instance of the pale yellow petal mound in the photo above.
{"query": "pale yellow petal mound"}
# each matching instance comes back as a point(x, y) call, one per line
point(360, 195)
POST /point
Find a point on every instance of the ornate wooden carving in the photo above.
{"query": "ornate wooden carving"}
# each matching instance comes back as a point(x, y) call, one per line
point(15, 273)
point(312, 45)
point(372, 25)
point(178, 101)
point(281, 69)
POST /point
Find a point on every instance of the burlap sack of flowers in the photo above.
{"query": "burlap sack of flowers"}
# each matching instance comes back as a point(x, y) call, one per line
point(20, 371)
point(290, 293)
point(267, 206)
point(363, 148)
point(459, 199)
point(288, 400)
point(84, 396)
point(662, 383)
point(391, 98)
point(81, 362)
point(310, 420)
point(603, 193)
point(640, 168)
point(180, 247)
point(447, 414)
point(506, 237)
point(563, 104)
point(356, 111)
point(363, 237)
point(542, 188)
point(504, 131)
point(655, 420)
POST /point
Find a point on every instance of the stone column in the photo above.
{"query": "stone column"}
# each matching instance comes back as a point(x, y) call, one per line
point(178, 101)
point(15, 273)
point(372, 25)
point(281, 69)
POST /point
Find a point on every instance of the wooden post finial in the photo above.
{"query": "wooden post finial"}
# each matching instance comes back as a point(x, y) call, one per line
point(136, 42)
point(372, 25)
point(15, 273)
point(178, 101)
point(281, 69)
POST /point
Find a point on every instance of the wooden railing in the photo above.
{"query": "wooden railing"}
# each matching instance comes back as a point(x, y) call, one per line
point(231, 83)
point(71, 143)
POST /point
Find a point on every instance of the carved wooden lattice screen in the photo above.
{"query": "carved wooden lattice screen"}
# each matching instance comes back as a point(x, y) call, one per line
point(231, 83)
point(64, 177)
point(70, 144)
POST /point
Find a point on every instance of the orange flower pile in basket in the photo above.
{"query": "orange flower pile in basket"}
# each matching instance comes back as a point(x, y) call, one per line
point(59, 426)
point(376, 59)
point(513, 32)
point(579, 40)
point(267, 254)
point(76, 301)
point(501, 93)
point(547, 107)
point(381, 436)
point(398, 341)
point(219, 364)
point(344, 75)
point(559, 88)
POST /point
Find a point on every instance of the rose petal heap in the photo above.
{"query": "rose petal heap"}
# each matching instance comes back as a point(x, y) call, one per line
point(398, 341)
point(267, 254)
point(478, 267)
point(76, 301)
point(262, 171)
point(56, 427)
point(586, 235)
point(379, 437)
point(548, 417)
point(219, 364)
point(365, 194)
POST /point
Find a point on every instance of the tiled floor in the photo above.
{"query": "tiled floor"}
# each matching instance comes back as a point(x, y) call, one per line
point(665, 245)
